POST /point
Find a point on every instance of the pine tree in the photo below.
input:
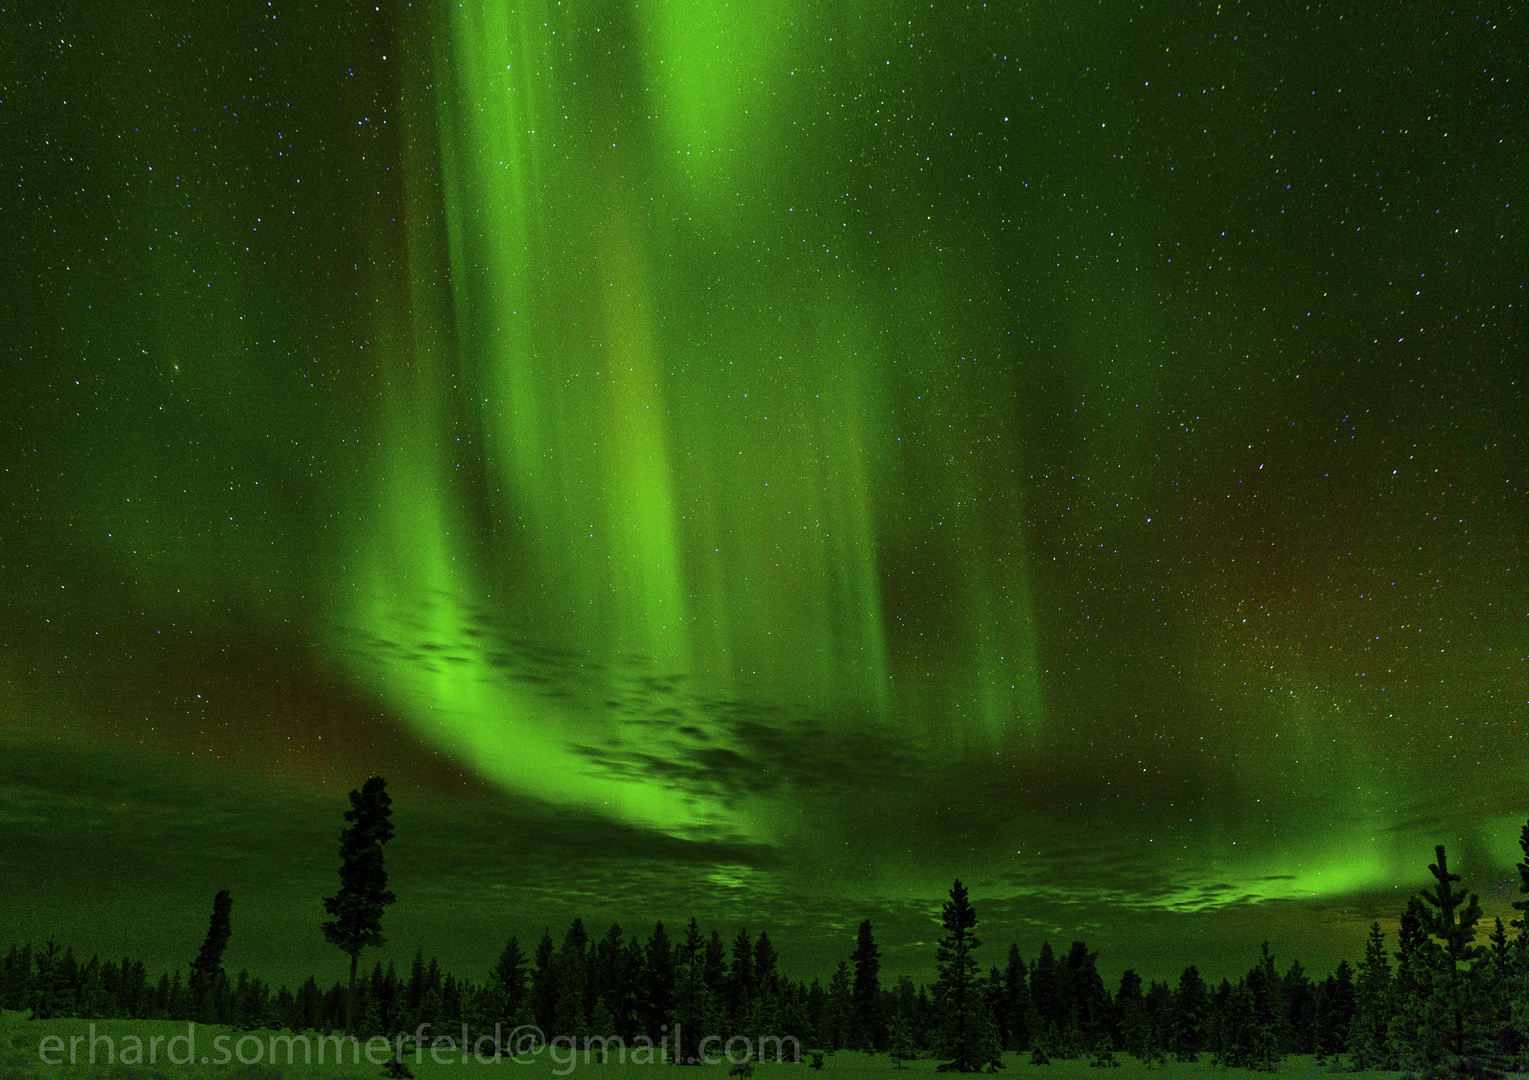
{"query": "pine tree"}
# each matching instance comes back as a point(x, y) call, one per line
point(766, 963)
point(94, 1002)
point(1160, 1014)
point(838, 1011)
point(371, 1018)
point(483, 1007)
point(1414, 1035)
point(1368, 1035)
point(1495, 972)
point(1240, 1035)
point(634, 965)
point(544, 985)
point(740, 978)
point(244, 1006)
point(1018, 1021)
point(792, 1018)
point(387, 989)
point(690, 949)
point(1089, 1009)
point(358, 906)
point(1131, 1015)
point(602, 1023)
point(208, 964)
point(69, 970)
point(612, 974)
point(1049, 1004)
point(451, 1002)
point(1517, 969)
point(869, 1031)
point(414, 989)
point(967, 1037)
point(222, 999)
point(902, 1049)
point(1191, 1009)
point(1334, 1012)
point(1458, 995)
point(1299, 1003)
point(1271, 1027)
point(574, 999)
point(432, 1010)
point(1345, 1000)
point(511, 973)
point(714, 967)
point(50, 991)
point(18, 978)
point(658, 983)
point(1102, 1056)
point(764, 1014)
point(816, 1006)
point(695, 1008)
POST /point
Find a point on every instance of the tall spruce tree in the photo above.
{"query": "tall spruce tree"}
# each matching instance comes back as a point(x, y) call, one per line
point(766, 964)
point(1238, 1036)
point(511, 973)
point(208, 964)
point(1018, 1020)
point(1089, 1010)
point(1333, 1013)
point(1191, 1012)
point(1300, 1005)
point(966, 1036)
point(1452, 919)
point(869, 1030)
point(696, 1012)
point(902, 1048)
point(1131, 1014)
point(1160, 1022)
point(414, 992)
point(658, 982)
point(1050, 1008)
point(837, 1016)
point(544, 984)
point(1413, 1035)
point(50, 988)
point(740, 978)
point(714, 966)
point(1270, 1033)
point(613, 976)
point(1368, 1035)
point(570, 1014)
point(358, 906)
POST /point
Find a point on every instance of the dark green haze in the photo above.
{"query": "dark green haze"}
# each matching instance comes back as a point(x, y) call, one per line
point(762, 461)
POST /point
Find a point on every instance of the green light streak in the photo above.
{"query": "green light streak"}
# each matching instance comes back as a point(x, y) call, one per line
point(626, 417)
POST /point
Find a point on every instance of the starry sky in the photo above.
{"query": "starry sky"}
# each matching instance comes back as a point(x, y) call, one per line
point(761, 462)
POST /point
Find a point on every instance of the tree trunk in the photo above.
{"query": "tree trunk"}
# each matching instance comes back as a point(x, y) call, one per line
point(350, 998)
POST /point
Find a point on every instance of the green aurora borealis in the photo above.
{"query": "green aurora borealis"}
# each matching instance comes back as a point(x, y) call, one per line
point(761, 461)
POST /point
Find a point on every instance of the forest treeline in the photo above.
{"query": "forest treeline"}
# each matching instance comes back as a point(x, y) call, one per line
point(1441, 1001)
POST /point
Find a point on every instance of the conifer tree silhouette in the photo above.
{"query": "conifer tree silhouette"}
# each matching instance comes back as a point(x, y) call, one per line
point(357, 908)
point(869, 1031)
point(1368, 1043)
point(208, 964)
point(740, 978)
point(968, 1038)
point(1191, 1011)
point(1018, 1018)
point(511, 973)
point(1451, 919)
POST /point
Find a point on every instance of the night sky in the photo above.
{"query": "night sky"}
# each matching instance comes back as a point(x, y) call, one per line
point(761, 461)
